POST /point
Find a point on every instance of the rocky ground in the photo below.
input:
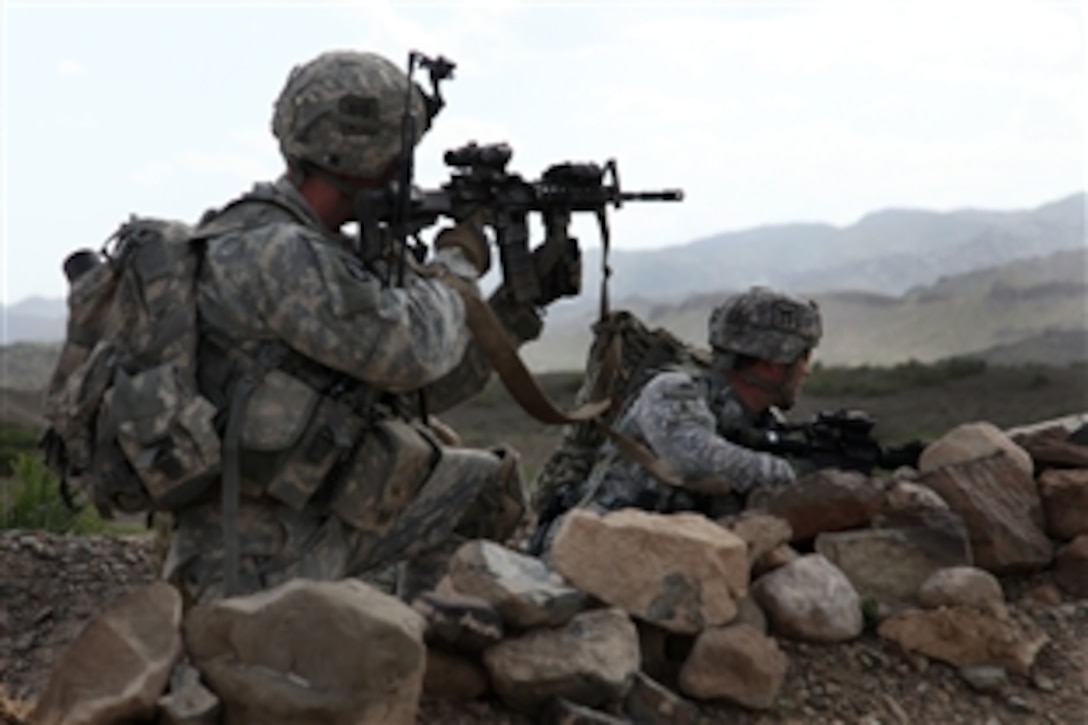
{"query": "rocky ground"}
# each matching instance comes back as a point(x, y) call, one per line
point(50, 586)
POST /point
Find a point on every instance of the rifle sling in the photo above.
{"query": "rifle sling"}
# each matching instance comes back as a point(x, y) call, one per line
point(522, 386)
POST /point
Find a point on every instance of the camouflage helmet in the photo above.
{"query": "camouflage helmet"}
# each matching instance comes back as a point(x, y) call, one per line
point(342, 112)
point(765, 325)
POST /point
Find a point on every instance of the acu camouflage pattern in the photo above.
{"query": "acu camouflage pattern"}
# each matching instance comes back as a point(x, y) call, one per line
point(358, 353)
point(127, 426)
point(342, 112)
point(643, 352)
point(765, 325)
point(687, 422)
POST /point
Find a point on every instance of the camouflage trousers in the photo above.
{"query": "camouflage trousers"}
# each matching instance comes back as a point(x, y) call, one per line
point(478, 494)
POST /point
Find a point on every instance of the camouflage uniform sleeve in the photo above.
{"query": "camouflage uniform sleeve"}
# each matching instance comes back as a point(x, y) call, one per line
point(522, 324)
point(672, 417)
point(281, 281)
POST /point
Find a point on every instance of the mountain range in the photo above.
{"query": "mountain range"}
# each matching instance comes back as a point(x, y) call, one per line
point(887, 252)
point(898, 285)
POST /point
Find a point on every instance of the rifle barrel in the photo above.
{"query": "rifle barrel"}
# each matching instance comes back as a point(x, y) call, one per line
point(663, 195)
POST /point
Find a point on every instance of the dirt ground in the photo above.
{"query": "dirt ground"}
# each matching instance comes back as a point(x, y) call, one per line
point(53, 585)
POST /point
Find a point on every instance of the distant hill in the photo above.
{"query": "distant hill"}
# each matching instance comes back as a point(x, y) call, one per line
point(35, 319)
point(887, 252)
point(1028, 310)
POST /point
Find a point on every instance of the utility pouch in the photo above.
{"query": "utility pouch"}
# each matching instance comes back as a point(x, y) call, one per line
point(292, 436)
point(390, 467)
point(166, 432)
point(436, 510)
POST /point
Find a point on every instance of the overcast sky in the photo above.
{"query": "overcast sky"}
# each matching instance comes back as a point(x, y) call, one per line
point(763, 113)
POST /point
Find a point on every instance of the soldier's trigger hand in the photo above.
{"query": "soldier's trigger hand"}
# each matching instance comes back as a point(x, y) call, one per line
point(469, 237)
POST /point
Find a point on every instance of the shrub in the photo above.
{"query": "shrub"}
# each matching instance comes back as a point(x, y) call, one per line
point(14, 440)
point(31, 500)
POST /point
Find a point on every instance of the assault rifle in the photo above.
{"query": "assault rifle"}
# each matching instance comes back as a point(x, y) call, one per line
point(836, 439)
point(481, 188)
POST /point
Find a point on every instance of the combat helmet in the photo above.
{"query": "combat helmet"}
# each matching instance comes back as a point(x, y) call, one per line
point(765, 325)
point(343, 111)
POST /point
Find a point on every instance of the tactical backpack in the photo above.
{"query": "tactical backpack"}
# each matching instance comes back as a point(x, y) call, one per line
point(624, 355)
point(127, 426)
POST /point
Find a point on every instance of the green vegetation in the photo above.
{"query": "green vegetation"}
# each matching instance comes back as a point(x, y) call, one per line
point(870, 381)
point(31, 500)
point(14, 441)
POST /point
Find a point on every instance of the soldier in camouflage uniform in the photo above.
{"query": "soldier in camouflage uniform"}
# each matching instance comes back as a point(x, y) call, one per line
point(761, 343)
point(317, 361)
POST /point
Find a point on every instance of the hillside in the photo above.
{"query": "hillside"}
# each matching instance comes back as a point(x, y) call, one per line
point(887, 252)
point(995, 311)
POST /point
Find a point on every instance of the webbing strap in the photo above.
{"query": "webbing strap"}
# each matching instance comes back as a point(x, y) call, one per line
point(520, 383)
point(232, 483)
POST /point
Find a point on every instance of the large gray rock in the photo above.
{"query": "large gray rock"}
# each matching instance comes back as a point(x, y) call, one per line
point(521, 588)
point(681, 572)
point(888, 564)
point(315, 652)
point(1001, 508)
point(118, 666)
point(810, 599)
point(824, 500)
point(971, 442)
point(591, 660)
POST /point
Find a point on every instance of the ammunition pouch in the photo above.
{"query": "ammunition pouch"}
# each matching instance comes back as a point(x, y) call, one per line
point(167, 434)
point(439, 504)
point(388, 470)
point(292, 437)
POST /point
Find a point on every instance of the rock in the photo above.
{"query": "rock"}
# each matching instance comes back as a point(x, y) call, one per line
point(825, 500)
point(774, 559)
point(453, 677)
point(985, 678)
point(971, 442)
point(1053, 446)
point(966, 637)
point(119, 665)
point(313, 651)
point(761, 532)
point(910, 496)
point(963, 586)
point(810, 599)
point(521, 588)
point(458, 622)
point(590, 661)
point(1001, 508)
point(1071, 567)
point(888, 564)
point(686, 576)
point(189, 702)
point(1064, 493)
point(651, 703)
point(737, 664)
point(750, 613)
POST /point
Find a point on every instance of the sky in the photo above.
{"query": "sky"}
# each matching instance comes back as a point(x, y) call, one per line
point(763, 113)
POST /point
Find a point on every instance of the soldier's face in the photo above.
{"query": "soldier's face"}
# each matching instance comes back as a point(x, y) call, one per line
point(793, 379)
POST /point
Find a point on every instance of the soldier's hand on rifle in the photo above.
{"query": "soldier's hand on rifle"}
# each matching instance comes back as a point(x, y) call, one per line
point(469, 237)
point(563, 278)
